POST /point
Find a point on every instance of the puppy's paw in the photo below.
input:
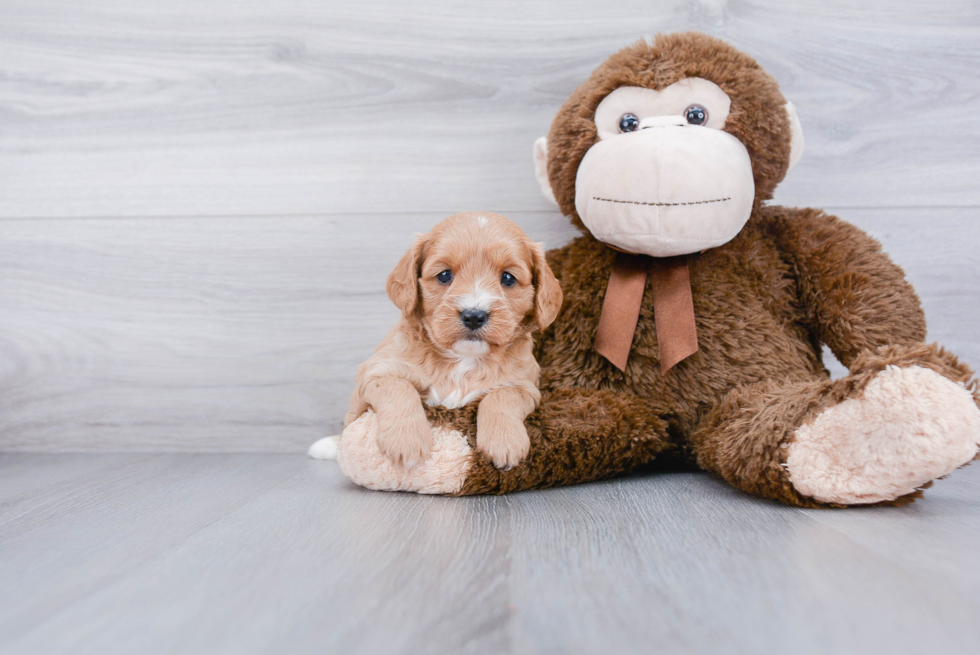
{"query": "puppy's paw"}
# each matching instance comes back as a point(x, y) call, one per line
point(405, 440)
point(506, 445)
point(325, 448)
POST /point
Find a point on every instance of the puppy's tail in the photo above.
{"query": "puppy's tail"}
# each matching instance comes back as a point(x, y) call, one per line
point(325, 448)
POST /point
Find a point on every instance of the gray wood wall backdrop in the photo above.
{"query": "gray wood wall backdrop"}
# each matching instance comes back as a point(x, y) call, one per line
point(199, 200)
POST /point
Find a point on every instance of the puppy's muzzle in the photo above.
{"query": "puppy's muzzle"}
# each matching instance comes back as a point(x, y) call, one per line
point(473, 319)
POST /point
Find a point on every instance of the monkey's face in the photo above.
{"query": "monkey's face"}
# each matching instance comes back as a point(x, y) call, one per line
point(664, 179)
point(663, 164)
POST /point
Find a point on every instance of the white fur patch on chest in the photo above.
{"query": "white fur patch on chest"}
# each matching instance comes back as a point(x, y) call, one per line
point(454, 399)
point(456, 390)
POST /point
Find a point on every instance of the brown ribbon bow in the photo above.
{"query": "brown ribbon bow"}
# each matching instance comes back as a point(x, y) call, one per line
point(673, 308)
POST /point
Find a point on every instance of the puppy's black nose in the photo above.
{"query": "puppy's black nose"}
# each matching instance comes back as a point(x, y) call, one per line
point(473, 318)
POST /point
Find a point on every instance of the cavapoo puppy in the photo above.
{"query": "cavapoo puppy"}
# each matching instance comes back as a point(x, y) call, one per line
point(471, 292)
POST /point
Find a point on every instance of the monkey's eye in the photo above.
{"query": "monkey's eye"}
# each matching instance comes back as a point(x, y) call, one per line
point(696, 115)
point(507, 279)
point(445, 277)
point(629, 123)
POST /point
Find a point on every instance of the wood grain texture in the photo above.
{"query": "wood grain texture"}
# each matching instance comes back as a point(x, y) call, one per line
point(260, 553)
point(200, 201)
point(199, 334)
point(710, 570)
point(243, 334)
point(294, 107)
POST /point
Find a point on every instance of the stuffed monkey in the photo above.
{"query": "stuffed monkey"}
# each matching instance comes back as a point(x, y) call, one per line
point(695, 312)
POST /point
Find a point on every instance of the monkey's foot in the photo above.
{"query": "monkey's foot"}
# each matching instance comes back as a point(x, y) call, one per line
point(444, 472)
point(909, 427)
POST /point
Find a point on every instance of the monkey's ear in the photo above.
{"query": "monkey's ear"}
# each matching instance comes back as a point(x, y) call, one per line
point(541, 168)
point(403, 282)
point(547, 290)
point(796, 144)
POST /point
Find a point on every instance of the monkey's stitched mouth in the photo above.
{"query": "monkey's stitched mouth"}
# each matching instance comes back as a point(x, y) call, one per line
point(661, 204)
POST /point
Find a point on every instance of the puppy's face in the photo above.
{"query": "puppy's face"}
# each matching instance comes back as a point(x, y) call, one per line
point(475, 281)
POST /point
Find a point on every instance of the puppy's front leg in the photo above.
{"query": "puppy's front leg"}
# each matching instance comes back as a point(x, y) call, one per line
point(500, 431)
point(404, 435)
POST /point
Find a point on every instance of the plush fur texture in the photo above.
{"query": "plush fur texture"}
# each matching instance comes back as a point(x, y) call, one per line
point(909, 426)
point(757, 116)
point(765, 302)
point(363, 462)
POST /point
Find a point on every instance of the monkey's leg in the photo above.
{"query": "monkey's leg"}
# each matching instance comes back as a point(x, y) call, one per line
point(579, 435)
point(576, 435)
point(905, 416)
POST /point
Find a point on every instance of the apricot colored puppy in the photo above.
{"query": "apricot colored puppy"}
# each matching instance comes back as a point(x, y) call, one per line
point(472, 291)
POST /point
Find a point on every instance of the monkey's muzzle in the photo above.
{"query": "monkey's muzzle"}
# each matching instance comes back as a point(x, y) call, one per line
point(666, 189)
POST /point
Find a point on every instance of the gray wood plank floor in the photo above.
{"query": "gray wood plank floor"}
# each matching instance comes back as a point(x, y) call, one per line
point(237, 553)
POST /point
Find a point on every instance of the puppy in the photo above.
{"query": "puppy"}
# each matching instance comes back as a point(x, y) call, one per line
point(471, 292)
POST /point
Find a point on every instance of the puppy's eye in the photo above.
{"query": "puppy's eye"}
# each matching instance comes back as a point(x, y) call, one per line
point(628, 123)
point(507, 279)
point(445, 277)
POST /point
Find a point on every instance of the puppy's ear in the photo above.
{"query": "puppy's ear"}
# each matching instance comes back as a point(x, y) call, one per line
point(403, 282)
point(547, 291)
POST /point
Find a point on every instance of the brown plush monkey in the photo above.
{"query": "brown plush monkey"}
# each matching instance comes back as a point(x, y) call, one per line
point(694, 312)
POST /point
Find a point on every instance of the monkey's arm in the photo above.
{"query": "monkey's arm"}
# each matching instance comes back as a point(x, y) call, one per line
point(853, 296)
